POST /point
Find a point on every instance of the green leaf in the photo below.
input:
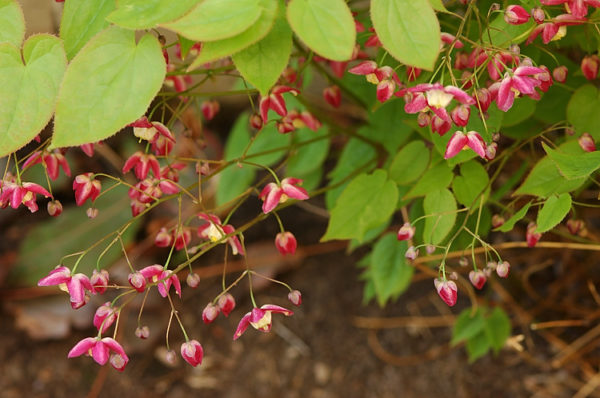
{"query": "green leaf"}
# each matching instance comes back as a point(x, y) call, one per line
point(109, 84)
point(441, 207)
point(369, 200)
point(409, 163)
point(387, 126)
point(390, 272)
point(146, 14)
point(471, 183)
point(45, 244)
point(308, 157)
point(467, 326)
point(477, 346)
point(185, 45)
point(438, 5)
point(510, 223)
point(326, 27)
point(523, 110)
point(217, 19)
point(12, 22)
point(553, 211)
point(214, 50)
point(497, 329)
point(501, 34)
point(409, 30)
point(575, 165)
point(81, 20)
point(582, 111)
point(262, 63)
point(439, 176)
point(28, 91)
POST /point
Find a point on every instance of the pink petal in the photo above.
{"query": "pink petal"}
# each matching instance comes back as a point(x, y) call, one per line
point(277, 309)
point(459, 95)
point(417, 104)
point(272, 199)
point(455, 145)
point(56, 277)
point(82, 347)
point(242, 326)
point(476, 143)
point(100, 352)
point(151, 271)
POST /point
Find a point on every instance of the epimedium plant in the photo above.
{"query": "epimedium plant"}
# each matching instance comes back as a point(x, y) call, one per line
point(448, 95)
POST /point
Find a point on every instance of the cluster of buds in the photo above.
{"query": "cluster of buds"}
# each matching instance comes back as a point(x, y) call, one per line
point(179, 237)
point(149, 190)
point(225, 304)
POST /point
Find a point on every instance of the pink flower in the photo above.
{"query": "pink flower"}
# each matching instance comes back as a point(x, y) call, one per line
point(406, 232)
point(446, 290)
point(589, 66)
point(497, 221)
point(88, 149)
point(436, 98)
point(516, 15)
point(460, 115)
point(384, 77)
point(332, 96)
point(210, 313)
point(192, 352)
point(210, 109)
point(538, 15)
point(163, 238)
point(260, 319)
point(578, 8)
point(149, 190)
point(163, 279)
point(86, 187)
point(477, 279)
point(99, 281)
point(156, 133)
point(286, 243)
point(14, 194)
point(273, 194)
point(412, 73)
point(586, 142)
point(182, 237)
point(295, 297)
point(560, 73)
point(99, 350)
point(275, 101)
point(295, 119)
point(76, 285)
point(531, 236)
point(226, 304)
point(555, 30)
point(411, 253)
point(104, 317)
point(214, 231)
point(520, 82)
point(192, 280)
point(137, 281)
point(449, 39)
point(142, 164)
point(460, 140)
point(55, 208)
point(51, 160)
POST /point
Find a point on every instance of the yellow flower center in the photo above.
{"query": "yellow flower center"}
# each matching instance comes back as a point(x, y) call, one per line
point(438, 98)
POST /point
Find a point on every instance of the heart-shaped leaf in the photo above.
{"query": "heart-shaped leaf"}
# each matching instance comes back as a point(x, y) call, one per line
point(326, 27)
point(12, 22)
point(262, 63)
point(81, 20)
point(214, 50)
point(217, 19)
point(28, 91)
point(582, 111)
point(144, 14)
point(440, 207)
point(109, 84)
point(409, 30)
point(553, 212)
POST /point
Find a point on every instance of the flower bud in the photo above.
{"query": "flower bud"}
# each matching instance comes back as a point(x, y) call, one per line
point(163, 238)
point(411, 253)
point(453, 276)
point(193, 280)
point(430, 249)
point(589, 66)
point(192, 352)
point(586, 142)
point(460, 115)
point(137, 281)
point(532, 237)
point(560, 73)
point(171, 357)
point(538, 15)
point(423, 119)
point(226, 303)
point(332, 96)
point(463, 262)
point(491, 265)
point(99, 281)
point(497, 221)
point(477, 279)
point(142, 332)
point(295, 297)
point(286, 243)
point(575, 226)
point(92, 212)
point(55, 208)
point(516, 15)
point(104, 317)
point(406, 232)
point(446, 290)
point(210, 313)
point(502, 269)
point(256, 121)
point(210, 109)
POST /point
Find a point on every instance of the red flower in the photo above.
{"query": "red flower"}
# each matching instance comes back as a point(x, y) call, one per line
point(286, 243)
point(210, 109)
point(51, 160)
point(226, 304)
point(275, 101)
point(446, 290)
point(104, 317)
point(406, 232)
point(502, 269)
point(295, 297)
point(260, 319)
point(589, 66)
point(15, 194)
point(273, 194)
point(586, 142)
point(461, 140)
point(532, 236)
point(214, 231)
point(332, 96)
point(163, 279)
point(477, 279)
point(76, 285)
point(516, 15)
point(385, 78)
point(99, 281)
point(86, 187)
point(142, 164)
point(523, 80)
point(210, 313)
point(192, 352)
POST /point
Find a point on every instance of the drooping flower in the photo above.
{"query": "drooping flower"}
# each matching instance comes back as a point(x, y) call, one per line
point(532, 237)
point(460, 141)
point(295, 297)
point(516, 15)
point(560, 73)
point(575, 226)
point(477, 279)
point(586, 142)
point(523, 80)
point(192, 352)
point(210, 109)
point(411, 253)
point(99, 350)
point(142, 163)
point(214, 231)
point(55, 208)
point(577, 8)
point(226, 304)
point(275, 101)
point(434, 97)
point(273, 194)
point(137, 281)
point(99, 281)
point(406, 232)
point(51, 161)
point(210, 313)
point(142, 332)
point(502, 269)
point(589, 66)
point(260, 319)
point(192, 280)
point(163, 279)
point(446, 290)
point(332, 96)
point(86, 187)
point(286, 243)
point(104, 317)
point(16, 194)
point(384, 77)
point(77, 285)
